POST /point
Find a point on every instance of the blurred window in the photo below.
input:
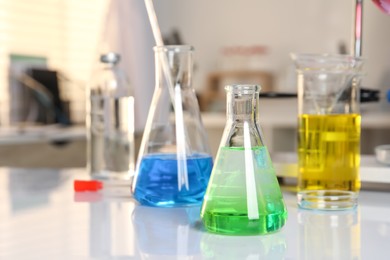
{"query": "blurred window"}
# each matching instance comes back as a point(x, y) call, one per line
point(64, 32)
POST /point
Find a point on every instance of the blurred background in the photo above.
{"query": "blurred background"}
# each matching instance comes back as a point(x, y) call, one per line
point(50, 48)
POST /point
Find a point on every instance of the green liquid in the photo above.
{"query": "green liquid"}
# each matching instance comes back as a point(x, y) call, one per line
point(225, 206)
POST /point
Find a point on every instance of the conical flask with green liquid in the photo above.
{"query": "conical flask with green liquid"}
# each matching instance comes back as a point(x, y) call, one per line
point(243, 196)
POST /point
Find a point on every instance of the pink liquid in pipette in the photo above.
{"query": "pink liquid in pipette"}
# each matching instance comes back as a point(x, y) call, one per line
point(383, 5)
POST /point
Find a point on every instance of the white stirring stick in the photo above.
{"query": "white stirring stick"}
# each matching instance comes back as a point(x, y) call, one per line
point(250, 179)
point(180, 137)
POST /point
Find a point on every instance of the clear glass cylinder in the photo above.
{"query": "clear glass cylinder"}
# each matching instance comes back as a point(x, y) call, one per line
point(329, 125)
point(174, 161)
point(110, 122)
point(243, 196)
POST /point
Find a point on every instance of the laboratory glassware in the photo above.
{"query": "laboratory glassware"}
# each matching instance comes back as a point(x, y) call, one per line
point(174, 161)
point(329, 125)
point(243, 196)
point(110, 121)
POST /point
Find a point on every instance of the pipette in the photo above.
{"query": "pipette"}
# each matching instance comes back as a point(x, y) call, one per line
point(98, 190)
point(96, 185)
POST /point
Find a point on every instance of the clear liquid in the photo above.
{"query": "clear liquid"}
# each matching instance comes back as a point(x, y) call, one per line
point(157, 180)
point(329, 152)
point(225, 208)
point(111, 136)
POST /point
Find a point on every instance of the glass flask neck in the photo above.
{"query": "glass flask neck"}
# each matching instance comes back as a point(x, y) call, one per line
point(179, 60)
point(242, 103)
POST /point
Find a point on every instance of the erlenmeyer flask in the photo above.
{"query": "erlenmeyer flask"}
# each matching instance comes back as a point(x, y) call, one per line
point(174, 161)
point(243, 196)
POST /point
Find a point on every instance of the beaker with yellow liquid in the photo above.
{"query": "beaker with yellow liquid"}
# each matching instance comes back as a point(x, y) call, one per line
point(329, 125)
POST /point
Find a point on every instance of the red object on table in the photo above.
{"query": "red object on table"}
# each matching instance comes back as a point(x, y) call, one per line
point(87, 185)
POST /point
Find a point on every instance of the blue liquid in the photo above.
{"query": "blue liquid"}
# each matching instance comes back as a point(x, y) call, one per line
point(157, 183)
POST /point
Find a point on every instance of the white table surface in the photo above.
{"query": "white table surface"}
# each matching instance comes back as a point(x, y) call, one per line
point(42, 218)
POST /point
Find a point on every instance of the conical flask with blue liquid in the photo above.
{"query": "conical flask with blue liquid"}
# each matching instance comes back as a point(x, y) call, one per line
point(174, 161)
point(243, 196)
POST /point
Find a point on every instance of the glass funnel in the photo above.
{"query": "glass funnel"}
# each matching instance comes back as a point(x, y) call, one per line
point(174, 161)
point(243, 196)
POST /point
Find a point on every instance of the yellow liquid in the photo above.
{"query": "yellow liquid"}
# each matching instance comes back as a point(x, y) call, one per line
point(329, 152)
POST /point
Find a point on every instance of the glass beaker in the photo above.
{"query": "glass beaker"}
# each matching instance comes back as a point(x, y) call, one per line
point(243, 196)
point(110, 121)
point(174, 161)
point(328, 130)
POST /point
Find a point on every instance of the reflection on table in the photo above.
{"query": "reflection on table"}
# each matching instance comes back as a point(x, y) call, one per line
point(329, 235)
point(42, 218)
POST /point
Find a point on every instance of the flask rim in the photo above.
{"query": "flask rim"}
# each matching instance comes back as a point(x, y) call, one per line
point(174, 48)
point(325, 57)
point(327, 62)
point(243, 88)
